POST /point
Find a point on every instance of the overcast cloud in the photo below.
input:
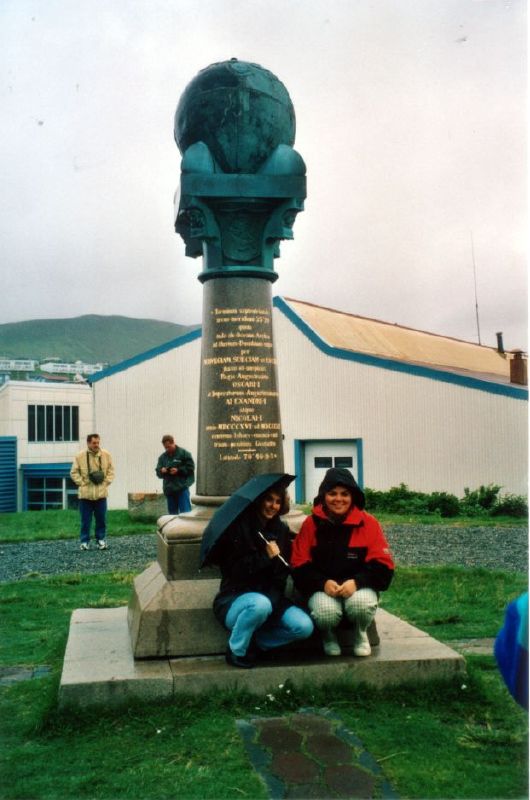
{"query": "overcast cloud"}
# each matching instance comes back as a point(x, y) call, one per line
point(411, 118)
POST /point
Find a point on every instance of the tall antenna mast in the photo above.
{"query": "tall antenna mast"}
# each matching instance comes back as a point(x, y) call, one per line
point(475, 285)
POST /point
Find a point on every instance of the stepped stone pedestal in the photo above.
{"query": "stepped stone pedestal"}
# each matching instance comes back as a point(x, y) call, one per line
point(170, 610)
point(100, 668)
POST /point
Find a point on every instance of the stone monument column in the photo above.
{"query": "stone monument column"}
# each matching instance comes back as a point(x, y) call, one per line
point(239, 414)
point(241, 187)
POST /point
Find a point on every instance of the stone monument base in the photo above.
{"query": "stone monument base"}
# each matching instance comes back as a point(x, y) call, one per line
point(99, 667)
point(173, 618)
point(170, 610)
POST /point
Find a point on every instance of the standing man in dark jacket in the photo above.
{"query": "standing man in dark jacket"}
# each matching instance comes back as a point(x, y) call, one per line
point(176, 468)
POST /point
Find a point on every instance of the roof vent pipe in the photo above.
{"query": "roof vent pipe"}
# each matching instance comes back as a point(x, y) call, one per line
point(518, 368)
point(500, 343)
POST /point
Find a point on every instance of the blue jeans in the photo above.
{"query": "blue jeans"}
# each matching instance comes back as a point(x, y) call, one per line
point(98, 509)
point(180, 502)
point(249, 613)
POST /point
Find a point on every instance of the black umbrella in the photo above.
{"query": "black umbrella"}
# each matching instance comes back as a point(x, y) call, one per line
point(238, 502)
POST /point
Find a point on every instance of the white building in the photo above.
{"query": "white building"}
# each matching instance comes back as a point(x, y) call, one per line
point(71, 369)
point(18, 364)
point(42, 427)
point(395, 404)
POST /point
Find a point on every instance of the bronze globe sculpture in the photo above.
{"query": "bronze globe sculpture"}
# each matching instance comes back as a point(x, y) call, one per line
point(241, 111)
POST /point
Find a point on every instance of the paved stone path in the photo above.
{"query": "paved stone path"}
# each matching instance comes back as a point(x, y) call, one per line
point(504, 548)
point(10, 675)
point(310, 755)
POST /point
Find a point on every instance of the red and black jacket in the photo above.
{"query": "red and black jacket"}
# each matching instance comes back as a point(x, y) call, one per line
point(354, 548)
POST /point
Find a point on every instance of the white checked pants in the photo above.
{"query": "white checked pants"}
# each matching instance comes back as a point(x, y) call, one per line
point(359, 609)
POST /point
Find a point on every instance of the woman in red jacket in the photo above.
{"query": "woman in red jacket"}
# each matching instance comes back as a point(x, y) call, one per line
point(341, 561)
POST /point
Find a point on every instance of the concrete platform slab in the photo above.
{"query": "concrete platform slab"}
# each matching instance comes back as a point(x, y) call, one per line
point(99, 667)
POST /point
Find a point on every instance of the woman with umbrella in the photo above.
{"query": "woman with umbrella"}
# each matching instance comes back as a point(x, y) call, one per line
point(252, 546)
point(341, 561)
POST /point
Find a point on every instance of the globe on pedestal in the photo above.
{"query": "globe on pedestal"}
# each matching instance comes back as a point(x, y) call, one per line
point(241, 111)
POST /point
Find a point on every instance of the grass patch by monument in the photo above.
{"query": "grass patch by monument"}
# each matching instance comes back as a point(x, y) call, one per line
point(37, 526)
point(34, 526)
point(457, 740)
point(452, 603)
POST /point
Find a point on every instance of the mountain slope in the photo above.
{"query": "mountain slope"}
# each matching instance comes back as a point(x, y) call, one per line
point(91, 338)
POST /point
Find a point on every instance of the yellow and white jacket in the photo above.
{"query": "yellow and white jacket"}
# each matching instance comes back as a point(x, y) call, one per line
point(101, 460)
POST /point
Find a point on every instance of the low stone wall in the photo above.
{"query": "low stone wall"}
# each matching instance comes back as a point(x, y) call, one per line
point(146, 506)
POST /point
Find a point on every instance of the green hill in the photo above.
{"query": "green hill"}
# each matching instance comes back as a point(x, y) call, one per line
point(91, 338)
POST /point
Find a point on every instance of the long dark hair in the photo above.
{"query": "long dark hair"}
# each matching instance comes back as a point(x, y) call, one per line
point(281, 491)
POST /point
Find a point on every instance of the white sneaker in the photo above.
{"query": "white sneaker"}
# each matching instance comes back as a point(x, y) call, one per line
point(102, 545)
point(83, 546)
point(330, 643)
point(361, 645)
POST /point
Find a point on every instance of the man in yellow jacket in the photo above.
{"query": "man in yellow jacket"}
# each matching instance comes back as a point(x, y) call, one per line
point(92, 472)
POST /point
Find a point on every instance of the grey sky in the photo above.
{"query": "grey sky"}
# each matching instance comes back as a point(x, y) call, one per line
point(411, 117)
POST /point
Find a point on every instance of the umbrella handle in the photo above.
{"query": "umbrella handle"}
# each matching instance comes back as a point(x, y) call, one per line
point(282, 559)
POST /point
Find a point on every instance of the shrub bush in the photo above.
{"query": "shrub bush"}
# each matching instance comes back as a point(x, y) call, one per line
point(482, 501)
point(398, 500)
point(513, 505)
point(447, 505)
point(479, 500)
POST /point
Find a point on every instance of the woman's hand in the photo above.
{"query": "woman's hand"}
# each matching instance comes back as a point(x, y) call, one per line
point(347, 588)
point(272, 549)
point(331, 588)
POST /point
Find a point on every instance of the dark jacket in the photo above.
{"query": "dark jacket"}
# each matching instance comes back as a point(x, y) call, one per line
point(246, 567)
point(183, 461)
point(354, 548)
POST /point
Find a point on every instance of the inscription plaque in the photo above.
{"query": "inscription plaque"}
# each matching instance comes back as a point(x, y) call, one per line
point(239, 420)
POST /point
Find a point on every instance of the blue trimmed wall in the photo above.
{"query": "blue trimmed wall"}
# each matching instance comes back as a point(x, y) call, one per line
point(397, 366)
point(506, 390)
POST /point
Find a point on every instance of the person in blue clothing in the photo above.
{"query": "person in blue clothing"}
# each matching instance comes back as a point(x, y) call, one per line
point(511, 649)
point(176, 468)
point(253, 555)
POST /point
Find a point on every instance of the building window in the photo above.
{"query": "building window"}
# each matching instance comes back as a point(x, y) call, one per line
point(53, 423)
point(44, 493)
point(344, 461)
point(47, 492)
point(323, 462)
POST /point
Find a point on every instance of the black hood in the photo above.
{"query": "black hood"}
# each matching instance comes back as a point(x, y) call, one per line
point(337, 476)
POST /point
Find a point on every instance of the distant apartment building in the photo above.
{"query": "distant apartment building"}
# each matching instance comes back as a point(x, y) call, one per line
point(18, 364)
point(71, 369)
point(50, 366)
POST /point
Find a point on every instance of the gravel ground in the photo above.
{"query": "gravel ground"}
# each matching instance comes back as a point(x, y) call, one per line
point(412, 545)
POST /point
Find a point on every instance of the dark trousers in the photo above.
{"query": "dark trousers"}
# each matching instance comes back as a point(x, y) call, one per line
point(98, 510)
point(179, 502)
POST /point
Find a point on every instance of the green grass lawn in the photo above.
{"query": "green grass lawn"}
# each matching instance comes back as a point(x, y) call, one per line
point(461, 739)
point(32, 526)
